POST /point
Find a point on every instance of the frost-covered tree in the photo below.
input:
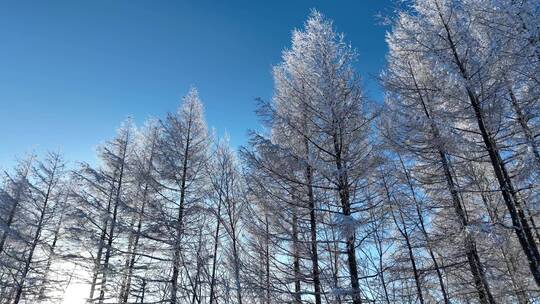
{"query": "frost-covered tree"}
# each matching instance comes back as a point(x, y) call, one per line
point(34, 196)
point(448, 99)
point(100, 197)
point(182, 157)
point(143, 197)
point(321, 122)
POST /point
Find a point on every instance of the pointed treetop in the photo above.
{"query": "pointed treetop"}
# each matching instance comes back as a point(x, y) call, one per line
point(191, 104)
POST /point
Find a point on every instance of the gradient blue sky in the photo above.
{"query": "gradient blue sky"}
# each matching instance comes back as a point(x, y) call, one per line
point(71, 71)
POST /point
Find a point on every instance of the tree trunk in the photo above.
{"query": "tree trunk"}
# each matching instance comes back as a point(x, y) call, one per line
point(313, 234)
point(214, 258)
point(403, 231)
point(267, 257)
point(529, 136)
point(97, 261)
point(131, 243)
point(179, 228)
point(424, 232)
point(196, 295)
point(296, 258)
point(133, 254)
point(344, 196)
point(110, 237)
point(43, 287)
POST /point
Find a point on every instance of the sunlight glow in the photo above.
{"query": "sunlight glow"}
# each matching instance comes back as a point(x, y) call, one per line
point(75, 293)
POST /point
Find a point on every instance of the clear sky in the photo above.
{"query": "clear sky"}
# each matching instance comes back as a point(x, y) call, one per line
point(71, 71)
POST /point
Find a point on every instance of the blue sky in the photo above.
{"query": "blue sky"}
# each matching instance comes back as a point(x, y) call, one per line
point(71, 71)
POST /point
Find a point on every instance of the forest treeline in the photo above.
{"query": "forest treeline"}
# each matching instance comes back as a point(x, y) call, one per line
point(429, 197)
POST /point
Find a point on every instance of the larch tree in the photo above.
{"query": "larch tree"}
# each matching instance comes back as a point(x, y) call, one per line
point(183, 153)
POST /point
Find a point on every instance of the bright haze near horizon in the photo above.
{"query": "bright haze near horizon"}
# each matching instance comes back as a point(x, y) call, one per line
point(72, 71)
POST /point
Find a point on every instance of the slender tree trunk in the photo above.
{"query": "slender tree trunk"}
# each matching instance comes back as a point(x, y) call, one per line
point(381, 267)
point(131, 242)
point(296, 258)
point(531, 143)
point(196, 295)
point(313, 234)
point(332, 247)
point(260, 277)
point(267, 257)
point(311, 205)
point(423, 229)
point(405, 234)
point(179, 228)
point(110, 237)
point(519, 290)
point(351, 251)
point(237, 267)
point(191, 280)
point(527, 131)
point(214, 257)
point(344, 196)
point(133, 253)
point(97, 262)
point(143, 287)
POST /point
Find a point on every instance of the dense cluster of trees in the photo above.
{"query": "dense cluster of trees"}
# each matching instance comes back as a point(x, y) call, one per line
point(431, 197)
